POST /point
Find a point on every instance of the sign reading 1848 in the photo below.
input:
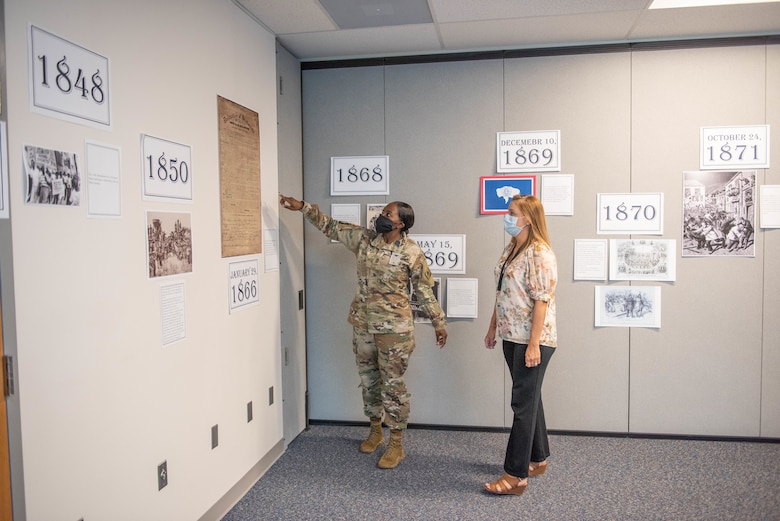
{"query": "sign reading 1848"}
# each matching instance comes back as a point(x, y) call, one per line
point(68, 81)
point(537, 151)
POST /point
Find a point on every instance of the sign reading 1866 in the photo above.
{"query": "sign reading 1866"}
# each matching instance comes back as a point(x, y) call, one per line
point(167, 168)
point(244, 284)
point(735, 147)
point(68, 81)
point(537, 151)
point(359, 175)
point(444, 253)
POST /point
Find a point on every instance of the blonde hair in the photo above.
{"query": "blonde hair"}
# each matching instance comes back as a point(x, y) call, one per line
point(532, 209)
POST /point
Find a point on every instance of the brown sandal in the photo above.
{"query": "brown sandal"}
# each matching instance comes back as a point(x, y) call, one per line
point(537, 469)
point(507, 484)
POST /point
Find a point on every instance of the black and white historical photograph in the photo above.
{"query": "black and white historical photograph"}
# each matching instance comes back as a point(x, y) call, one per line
point(628, 306)
point(419, 316)
point(642, 259)
point(169, 243)
point(719, 213)
point(51, 177)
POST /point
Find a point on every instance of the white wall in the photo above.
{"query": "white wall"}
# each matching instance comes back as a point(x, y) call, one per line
point(102, 402)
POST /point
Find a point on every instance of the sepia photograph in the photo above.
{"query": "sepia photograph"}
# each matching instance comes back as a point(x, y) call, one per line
point(719, 213)
point(169, 243)
point(51, 177)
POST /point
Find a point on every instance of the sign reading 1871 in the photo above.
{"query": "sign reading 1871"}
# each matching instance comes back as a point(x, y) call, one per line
point(537, 151)
point(735, 147)
point(68, 81)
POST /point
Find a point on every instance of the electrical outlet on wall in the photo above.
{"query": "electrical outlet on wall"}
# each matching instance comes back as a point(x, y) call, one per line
point(249, 412)
point(214, 436)
point(162, 475)
point(271, 395)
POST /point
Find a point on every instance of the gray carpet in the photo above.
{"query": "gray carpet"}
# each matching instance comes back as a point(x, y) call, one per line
point(322, 476)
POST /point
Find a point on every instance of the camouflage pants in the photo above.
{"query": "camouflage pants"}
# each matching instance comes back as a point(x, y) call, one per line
point(382, 360)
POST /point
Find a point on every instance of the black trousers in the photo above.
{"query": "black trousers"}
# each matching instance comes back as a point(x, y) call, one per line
point(528, 438)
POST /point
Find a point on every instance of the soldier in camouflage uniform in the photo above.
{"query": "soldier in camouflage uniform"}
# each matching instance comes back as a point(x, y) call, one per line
point(381, 314)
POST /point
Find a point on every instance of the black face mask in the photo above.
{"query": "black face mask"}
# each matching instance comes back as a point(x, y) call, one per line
point(383, 224)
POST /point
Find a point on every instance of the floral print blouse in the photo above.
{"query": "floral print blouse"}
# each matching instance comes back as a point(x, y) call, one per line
point(530, 276)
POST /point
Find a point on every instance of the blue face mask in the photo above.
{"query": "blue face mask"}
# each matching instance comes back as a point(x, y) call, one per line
point(510, 225)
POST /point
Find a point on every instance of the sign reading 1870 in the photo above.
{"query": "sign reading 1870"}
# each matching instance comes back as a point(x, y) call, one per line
point(68, 81)
point(536, 151)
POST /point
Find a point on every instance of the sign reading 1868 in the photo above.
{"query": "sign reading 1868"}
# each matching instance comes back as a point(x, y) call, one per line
point(734, 147)
point(359, 175)
point(68, 81)
point(537, 151)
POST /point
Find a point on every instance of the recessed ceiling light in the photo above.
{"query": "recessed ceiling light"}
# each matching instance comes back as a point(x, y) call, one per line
point(672, 4)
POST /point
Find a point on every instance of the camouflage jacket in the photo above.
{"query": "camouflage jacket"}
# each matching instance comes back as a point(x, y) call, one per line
point(384, 273)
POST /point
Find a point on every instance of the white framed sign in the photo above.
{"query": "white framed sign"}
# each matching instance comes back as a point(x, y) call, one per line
point(243, 284)
point(734, 147)
point(641, 213)
point(360, 175)
point(534, 151)
point(444, 253)
point(167, 169)
point(68, 81)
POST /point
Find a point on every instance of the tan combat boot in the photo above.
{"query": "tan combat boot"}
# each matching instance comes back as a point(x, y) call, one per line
point(375, 437)
point(394, 453)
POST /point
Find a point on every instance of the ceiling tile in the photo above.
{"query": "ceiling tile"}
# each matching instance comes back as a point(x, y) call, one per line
point(354, 14)
point(469, 10)
point(361, 43)
point(720, 21)
point(290, 16)
point(548, 30)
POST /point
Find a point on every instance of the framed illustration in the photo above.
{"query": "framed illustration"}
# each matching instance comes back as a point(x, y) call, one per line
point(630, 213)
point(496, 192)
point(642, 259)
point(419, 316)
point(628, 306)
point(372, 212)
point(719, 213)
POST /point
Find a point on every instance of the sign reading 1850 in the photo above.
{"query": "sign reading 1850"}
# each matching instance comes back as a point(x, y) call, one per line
point(167, 168)
point(537, 151)
point(68, 81)
point(359, 175)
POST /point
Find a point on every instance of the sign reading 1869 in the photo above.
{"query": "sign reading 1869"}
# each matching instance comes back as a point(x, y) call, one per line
point(444, 253)
point(537, 151)
point(735, 147)
point(68, 81)
point(167, 168)
point(359, 175)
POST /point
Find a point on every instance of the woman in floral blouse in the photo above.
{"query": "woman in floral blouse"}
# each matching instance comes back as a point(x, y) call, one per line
point(524, 319)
